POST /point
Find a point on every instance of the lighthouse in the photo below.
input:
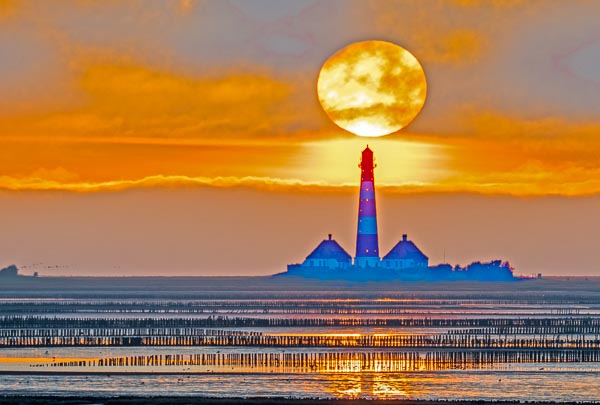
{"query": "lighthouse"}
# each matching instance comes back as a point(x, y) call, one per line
point(329, 260)
point(367, 244)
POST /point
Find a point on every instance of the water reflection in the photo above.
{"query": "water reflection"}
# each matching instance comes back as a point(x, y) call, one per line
point(292, 361)
point(339, 344)
point(370, 385)
point(338, 378)
point(385, 387)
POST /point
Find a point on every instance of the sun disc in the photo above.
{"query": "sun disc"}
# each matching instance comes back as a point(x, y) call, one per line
point(372, 88)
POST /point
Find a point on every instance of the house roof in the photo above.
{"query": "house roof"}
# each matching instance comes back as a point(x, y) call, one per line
point(405, 250)
point(329, 249)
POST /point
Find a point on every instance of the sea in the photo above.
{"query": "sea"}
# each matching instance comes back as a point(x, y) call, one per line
point(265, 337)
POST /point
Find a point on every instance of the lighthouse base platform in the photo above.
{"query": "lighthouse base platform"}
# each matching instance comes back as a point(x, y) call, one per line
point(477, 271)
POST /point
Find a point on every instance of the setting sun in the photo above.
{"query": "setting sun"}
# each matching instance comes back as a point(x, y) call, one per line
point(372, 88)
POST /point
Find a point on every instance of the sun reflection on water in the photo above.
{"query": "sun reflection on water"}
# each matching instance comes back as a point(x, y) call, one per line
point(370, 386)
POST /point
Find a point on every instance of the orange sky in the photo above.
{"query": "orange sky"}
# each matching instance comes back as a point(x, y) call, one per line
point(103, 97)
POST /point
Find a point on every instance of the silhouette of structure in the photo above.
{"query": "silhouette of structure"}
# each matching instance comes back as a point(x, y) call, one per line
point(329, 254)
point(405, 261)
point(10, 271)
point(367, 243)
point(404, 255)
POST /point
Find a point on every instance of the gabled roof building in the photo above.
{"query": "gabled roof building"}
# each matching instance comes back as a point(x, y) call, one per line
point(328, 254)
point(405, 255)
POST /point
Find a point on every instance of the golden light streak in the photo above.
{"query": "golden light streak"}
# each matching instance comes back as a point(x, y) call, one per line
point(554, 185)
point(400, 162)
point(41, 184)
point(372, 88)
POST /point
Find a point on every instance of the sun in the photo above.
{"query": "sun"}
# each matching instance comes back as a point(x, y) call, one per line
point(372, 88)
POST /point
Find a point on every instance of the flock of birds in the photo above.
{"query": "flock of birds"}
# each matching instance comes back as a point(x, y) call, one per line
point(42, 265)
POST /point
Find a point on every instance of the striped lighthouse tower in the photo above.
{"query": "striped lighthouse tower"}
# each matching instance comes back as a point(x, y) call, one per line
point(367, 245)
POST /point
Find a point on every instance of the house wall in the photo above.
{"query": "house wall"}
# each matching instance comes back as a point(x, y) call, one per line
point(403, 263)
point(327, 263)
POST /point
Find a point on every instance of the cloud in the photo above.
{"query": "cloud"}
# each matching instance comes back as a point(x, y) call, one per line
point(493, 125)
point(530, 180)
point(492, 3)
point(7, 8)
point(272, 10)
point(32, 75)
point(508, 154)
point(131, 100)
point(429, 34)
point(209, 90)
point(495, 154)
point(36, 182)
point(457, 47)
point(150, 101)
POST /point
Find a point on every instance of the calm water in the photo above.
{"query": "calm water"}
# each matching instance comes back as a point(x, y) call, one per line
point(551, 384)
point(75, 371)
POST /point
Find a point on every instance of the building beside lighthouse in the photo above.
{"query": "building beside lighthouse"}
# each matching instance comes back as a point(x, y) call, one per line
point(405, 255)
point(405, 261)
point(329, 255)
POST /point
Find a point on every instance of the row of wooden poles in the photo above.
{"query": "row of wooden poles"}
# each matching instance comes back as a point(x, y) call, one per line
point(191, 331)
point(366, 341)
point(543, 325)
point(267, 310)
point(331, 361)
point(120, 332)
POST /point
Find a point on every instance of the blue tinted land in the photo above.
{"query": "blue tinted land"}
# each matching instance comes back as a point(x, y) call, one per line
point(495, 271)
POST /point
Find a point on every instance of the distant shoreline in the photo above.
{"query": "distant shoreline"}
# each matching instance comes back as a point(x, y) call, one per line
point(270, 277)
point(64, 287)
point(276, 277)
